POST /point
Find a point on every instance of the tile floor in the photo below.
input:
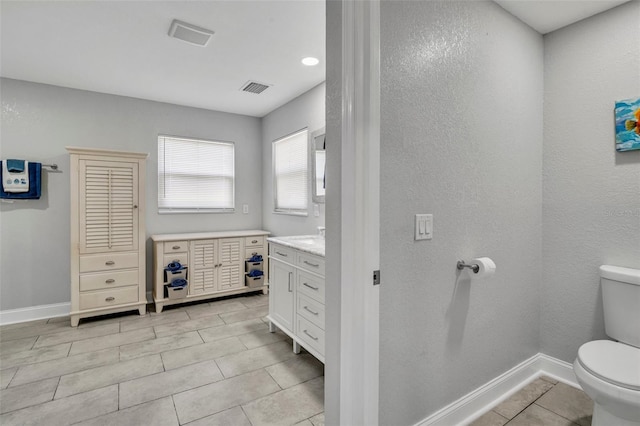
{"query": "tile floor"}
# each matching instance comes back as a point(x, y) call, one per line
point(204, 364)
point(543, 402)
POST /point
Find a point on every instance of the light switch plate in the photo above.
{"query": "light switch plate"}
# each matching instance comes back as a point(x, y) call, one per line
point(424, 227)
point(245, 208)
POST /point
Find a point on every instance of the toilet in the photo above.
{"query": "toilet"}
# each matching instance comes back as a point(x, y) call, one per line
point(609, 371)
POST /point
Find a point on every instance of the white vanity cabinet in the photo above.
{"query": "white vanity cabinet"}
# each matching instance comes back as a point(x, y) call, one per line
point(296, 295)
point(214, 264)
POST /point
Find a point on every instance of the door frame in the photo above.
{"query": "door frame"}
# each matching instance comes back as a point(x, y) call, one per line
point(352, 373)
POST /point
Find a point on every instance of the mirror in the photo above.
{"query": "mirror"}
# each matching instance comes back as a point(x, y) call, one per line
point(318, 156)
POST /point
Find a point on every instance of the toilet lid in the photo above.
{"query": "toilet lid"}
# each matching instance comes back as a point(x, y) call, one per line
point(612, 362)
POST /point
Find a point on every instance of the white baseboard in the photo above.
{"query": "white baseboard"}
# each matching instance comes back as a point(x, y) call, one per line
point(32, 313)
point(474, 404)
point(12, 316)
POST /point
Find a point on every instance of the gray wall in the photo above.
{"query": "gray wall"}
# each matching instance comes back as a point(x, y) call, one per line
point(333, 301)
point(305, 111)
point(591, 213)
point(461, 137)
point(38, 121)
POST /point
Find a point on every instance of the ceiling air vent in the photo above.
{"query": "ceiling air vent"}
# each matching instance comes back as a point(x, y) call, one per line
point(253, 87)
point(190, 33)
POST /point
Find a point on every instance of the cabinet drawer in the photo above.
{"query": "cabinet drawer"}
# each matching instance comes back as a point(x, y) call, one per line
point(310, 334)
point(105, 262)
point(111, 279)
point(248, 252)
point(183, 258)
point(106, 298)
point(310, 263)
point(310, 309)
point(254, 241)
point(175, 246)
point(311, 286)
point(282, 253)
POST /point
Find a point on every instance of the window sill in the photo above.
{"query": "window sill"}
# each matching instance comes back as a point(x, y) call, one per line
point(292, 213)
point(196, 211)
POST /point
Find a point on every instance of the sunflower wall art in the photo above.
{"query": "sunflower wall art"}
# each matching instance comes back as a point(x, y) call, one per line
point(628, 125)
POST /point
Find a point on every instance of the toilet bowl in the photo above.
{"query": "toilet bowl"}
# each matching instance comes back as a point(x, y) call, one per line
point(609, 371)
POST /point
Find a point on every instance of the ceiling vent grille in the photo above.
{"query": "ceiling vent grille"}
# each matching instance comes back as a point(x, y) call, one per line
point(253, 87)
point(190, 33)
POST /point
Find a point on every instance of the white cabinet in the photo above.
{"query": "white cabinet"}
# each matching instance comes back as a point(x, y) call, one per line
point(296, 297)
point(281, 301)
point(107, 232)
point(215, 264)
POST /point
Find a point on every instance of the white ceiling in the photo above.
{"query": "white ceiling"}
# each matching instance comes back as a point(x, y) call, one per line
point(122, 48)
point(545, 16)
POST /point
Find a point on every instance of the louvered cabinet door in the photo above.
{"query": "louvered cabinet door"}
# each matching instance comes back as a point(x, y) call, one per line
point(204, 266)
point(108, 195)
point(231, 254)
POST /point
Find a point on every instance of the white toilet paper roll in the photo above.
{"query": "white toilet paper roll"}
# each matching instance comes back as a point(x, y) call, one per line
point(486, 265)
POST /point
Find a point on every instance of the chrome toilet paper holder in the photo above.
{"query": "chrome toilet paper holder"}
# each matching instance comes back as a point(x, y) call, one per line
point(461, 265)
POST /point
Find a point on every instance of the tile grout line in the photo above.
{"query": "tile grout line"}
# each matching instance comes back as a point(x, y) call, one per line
point(528, 405)
point(559, 415)
point(245, 413)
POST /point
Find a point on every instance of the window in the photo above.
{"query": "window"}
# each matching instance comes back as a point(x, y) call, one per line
point(195, 175)
point(290, 173)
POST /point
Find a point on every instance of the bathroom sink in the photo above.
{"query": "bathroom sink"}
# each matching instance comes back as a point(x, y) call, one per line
point(310, 243)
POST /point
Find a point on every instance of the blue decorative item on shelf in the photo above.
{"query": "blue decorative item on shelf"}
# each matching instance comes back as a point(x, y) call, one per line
point(174, 266)
point(178, 283)
point(256, 258)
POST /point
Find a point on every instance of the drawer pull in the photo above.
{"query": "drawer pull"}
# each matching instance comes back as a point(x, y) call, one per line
point(310, 286)
point(310, 335)
point(306, 308)
point(110, 281)
point(254, 241)
point(110, 299)
point(109, 263)
point(282, 254)
point(315, 265)
point(289, 284)
point(176, 247)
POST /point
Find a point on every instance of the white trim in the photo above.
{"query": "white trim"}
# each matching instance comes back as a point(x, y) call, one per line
point(12, 316)
point(487, 396)
point(360, 213)
point(557, 369)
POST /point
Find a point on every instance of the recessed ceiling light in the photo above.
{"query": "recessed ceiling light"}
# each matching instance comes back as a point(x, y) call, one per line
point(310, 61)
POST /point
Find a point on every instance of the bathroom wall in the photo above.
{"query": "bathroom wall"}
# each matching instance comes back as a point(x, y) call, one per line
point(333, 244)
point(305, 111)
point(461, 138)
point(591, 193)
point(38, 121)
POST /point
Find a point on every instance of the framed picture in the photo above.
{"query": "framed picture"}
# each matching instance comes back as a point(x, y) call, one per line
point(628, 125)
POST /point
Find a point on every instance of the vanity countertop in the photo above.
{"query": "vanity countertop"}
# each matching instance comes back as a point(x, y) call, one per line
point(312, 244)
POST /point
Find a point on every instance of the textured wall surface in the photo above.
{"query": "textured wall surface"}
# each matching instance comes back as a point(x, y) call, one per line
point(305, 111)
point(333, 258)
point(461, 136)
point(38, 121)
point(591, 213)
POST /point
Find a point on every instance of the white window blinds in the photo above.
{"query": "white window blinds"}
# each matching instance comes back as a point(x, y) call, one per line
point(195, 175)
point(290, 173)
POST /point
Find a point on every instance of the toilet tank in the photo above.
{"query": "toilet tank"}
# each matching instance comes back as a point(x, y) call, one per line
point(621, 303)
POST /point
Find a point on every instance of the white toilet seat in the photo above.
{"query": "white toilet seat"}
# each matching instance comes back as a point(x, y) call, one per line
point(612, 362)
